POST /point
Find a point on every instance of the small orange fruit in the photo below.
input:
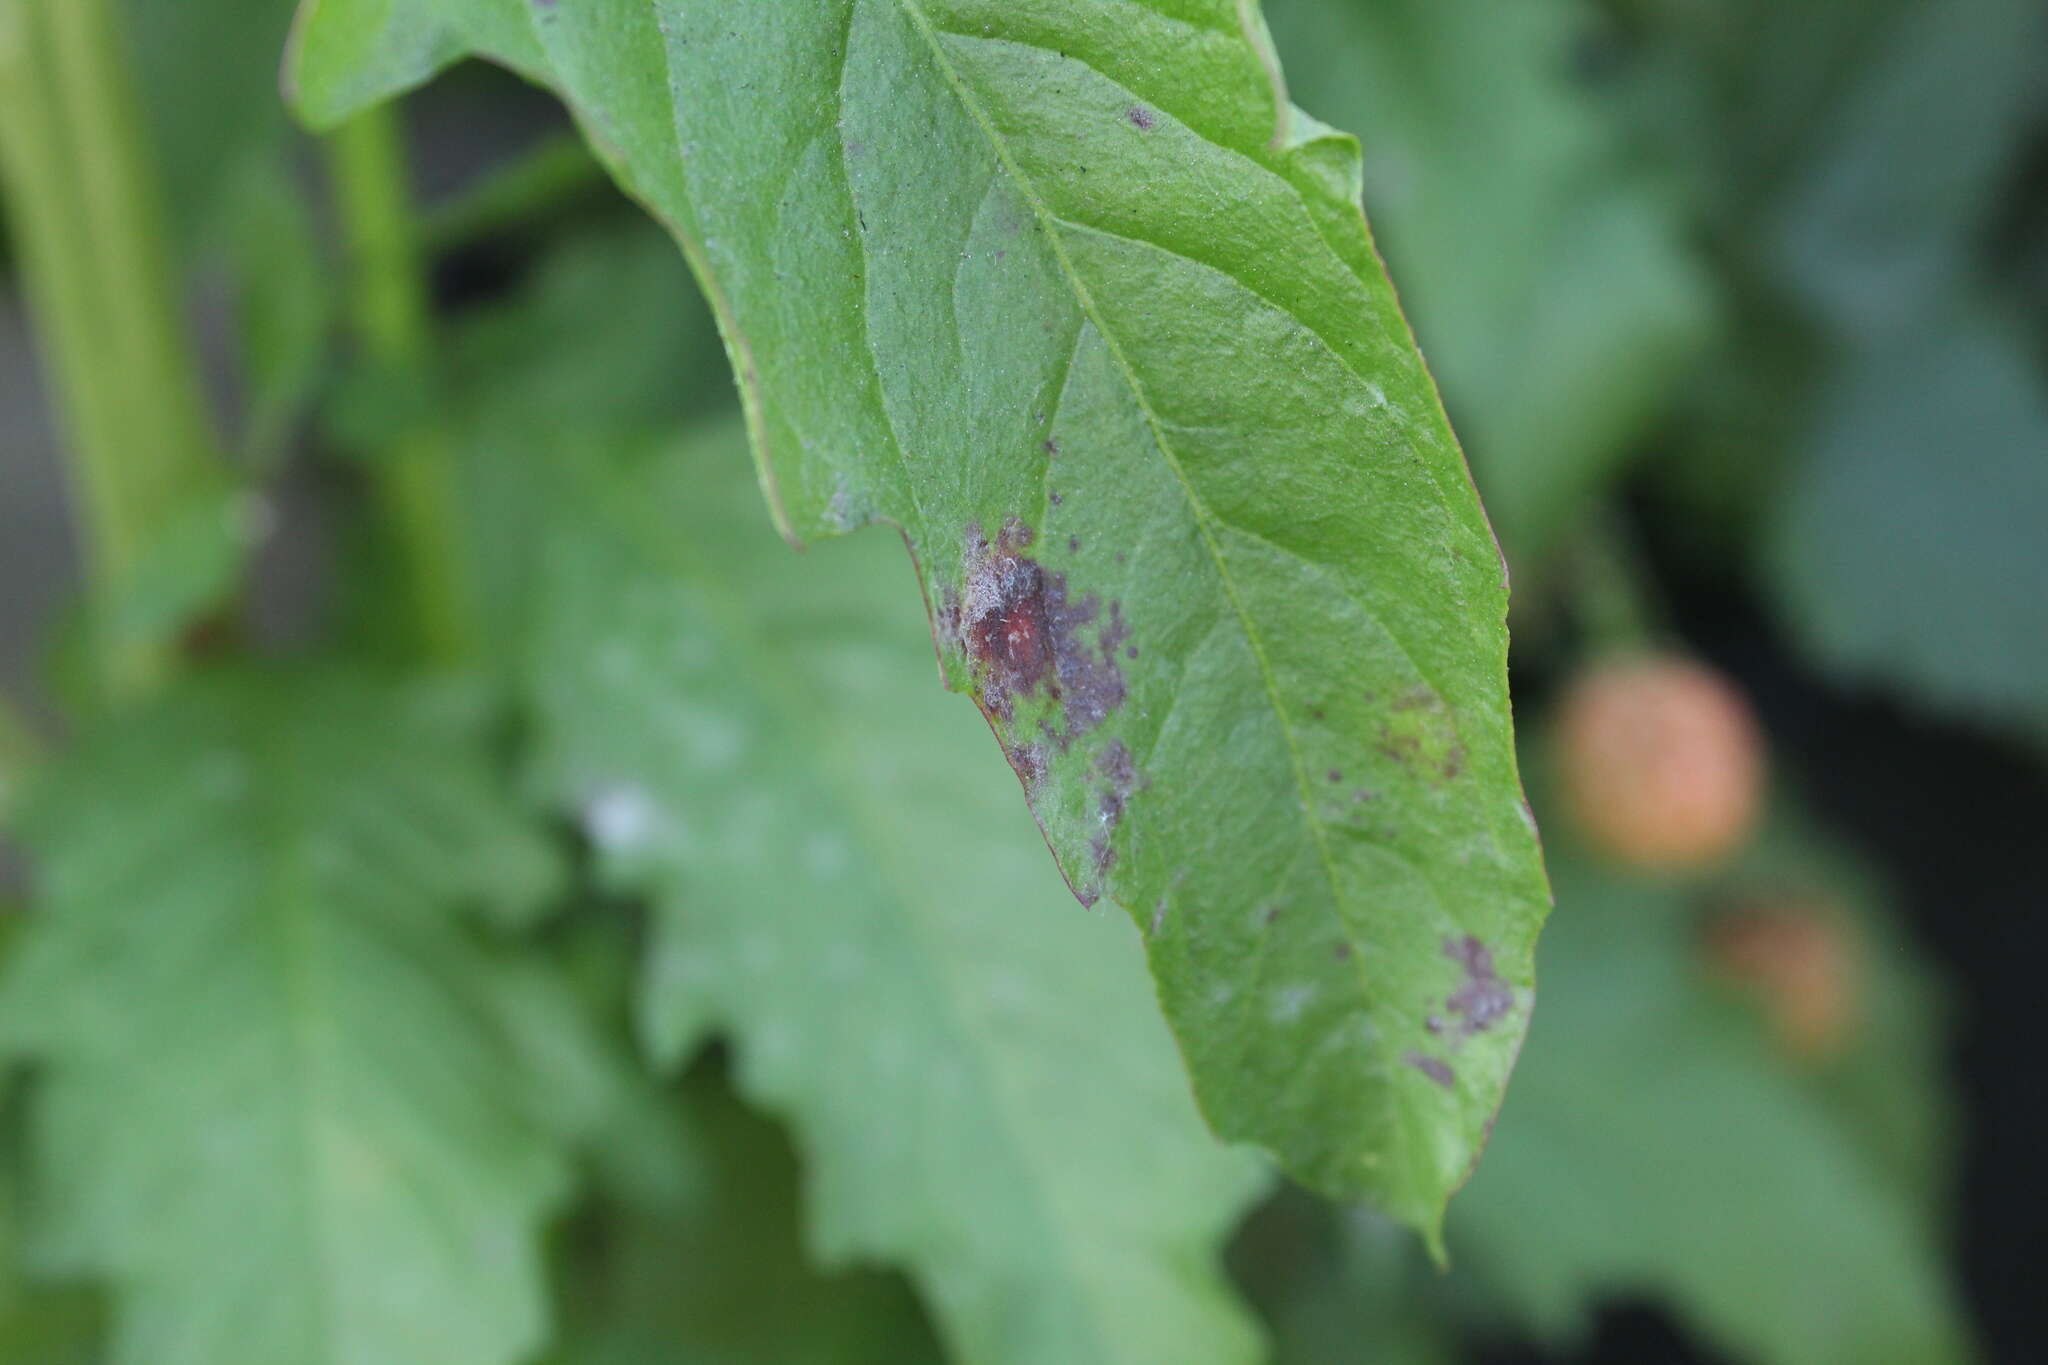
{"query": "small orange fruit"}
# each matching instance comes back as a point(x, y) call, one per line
point(1797, 961)
point(1661, 761)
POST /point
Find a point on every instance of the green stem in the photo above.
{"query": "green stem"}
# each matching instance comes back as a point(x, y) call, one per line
point(552, 176)
point(83, 206)
point(1608, 578)
point(417, 482)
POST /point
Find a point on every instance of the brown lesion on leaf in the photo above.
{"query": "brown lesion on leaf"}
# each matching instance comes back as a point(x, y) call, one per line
point(1420, 735)
point(1028, 638)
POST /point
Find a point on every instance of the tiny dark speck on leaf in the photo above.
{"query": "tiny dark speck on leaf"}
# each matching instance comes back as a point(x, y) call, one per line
point(1340, 951)
point(1130, 651)
point(1055, 497)
point(1074, 544)
point(1142, 118)
point(1052, 447)
point(1272, 913)
point(1432, 1067)
point(1336, 775)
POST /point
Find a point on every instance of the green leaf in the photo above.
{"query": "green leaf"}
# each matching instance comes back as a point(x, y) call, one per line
point(1070, 294)
point(207, 72)
point(284, 309)
point(645, 348)
point(971, 1063)
point(717, 1274)
point(1907, 548)
point(187, 565)
point(39, 1324)
point(1891, 1088)
point(276, 1115)
point(1655, 1145)
point(1547, 275)
point(1909, 162)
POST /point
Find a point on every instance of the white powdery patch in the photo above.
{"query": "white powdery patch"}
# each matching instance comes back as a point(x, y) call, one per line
point(619, 817)
point(1291, 1002)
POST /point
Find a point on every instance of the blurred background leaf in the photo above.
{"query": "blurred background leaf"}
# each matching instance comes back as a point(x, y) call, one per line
point(278, 1116)
point(1907, 547)
point(744, 735)
point(715, 1273)
point(1656, 1143)
point(1544, 265)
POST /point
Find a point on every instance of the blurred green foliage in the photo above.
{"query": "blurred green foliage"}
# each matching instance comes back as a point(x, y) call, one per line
point(1774, 271)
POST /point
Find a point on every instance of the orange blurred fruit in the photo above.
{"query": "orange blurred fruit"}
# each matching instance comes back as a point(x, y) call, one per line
point(1661, 761)
point(1797, 961)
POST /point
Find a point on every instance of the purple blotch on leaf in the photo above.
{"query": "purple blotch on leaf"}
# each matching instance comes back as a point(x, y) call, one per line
point(1482, 999)
point(1435, 1068)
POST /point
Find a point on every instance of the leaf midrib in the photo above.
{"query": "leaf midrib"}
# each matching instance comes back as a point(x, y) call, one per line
point(1049, 222)
point(289, 885)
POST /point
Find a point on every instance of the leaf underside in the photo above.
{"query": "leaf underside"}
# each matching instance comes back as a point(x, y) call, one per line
point(1066, 291)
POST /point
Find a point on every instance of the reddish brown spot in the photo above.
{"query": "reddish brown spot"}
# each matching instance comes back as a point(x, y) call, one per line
point(1272, 913)
point(1024, 635)
point(1435, 1068)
